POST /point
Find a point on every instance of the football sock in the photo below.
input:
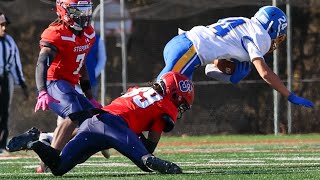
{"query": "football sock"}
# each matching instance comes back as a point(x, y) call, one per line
point(49, 155)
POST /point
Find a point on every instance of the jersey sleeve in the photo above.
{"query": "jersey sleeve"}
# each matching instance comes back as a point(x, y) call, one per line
point(252, 49)
point(51, 37)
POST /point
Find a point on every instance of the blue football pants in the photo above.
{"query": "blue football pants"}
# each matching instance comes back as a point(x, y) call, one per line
point(180, 56)
point(99, 133)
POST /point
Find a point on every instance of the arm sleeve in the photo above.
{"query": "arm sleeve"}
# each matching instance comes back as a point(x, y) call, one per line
point(43, 63)
point(102, 58)
point(213, 72)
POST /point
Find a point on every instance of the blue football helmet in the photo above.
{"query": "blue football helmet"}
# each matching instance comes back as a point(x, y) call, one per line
point(273, 20)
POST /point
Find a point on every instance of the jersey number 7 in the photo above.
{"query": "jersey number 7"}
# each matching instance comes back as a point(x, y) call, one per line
point(80, 58)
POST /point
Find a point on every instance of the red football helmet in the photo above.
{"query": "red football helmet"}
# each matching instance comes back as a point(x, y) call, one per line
point(76, 13)
point(178, 88)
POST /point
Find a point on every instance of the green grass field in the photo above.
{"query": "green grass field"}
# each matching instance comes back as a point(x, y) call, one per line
point(205, 157)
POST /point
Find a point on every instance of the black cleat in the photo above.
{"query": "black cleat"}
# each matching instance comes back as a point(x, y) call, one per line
point(22, 141)
point(162, 166)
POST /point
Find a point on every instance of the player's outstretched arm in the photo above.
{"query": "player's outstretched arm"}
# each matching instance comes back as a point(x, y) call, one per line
point(151, 142)
point(274, 81)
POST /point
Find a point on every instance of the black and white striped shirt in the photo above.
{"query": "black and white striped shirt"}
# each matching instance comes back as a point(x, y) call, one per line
point(10, 59)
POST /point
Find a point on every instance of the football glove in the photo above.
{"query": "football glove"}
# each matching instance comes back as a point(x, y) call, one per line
point(300, 101)
point(241, 71)
point(43, 101)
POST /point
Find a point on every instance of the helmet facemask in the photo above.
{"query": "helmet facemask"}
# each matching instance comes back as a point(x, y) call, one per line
point(183, 108)
point(81, 15)
point(76, 15)
point(180, 103)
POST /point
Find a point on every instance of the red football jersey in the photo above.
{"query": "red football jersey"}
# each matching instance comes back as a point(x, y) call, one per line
point(143, 108)
point(71, 53)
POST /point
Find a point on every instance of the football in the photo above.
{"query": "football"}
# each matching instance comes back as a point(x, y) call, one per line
point(226, 66)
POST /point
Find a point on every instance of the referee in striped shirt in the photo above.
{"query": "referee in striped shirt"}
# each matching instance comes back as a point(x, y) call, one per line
point(10, 74)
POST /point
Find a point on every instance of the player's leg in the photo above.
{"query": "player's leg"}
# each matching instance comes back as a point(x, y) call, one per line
point(67, 96)
point(63, 133)
point(1, 113)
point(46, 138)
point(7, 92)
point(4, 112)
point(70, 101)
point(180, 56)
point(87, 105)
point(64, 125)
point(89, 140)
point(120, 137)
point(49, 156)
point(29, 140)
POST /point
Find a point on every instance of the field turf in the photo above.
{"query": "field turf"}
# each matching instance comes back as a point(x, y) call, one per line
point(201, 157)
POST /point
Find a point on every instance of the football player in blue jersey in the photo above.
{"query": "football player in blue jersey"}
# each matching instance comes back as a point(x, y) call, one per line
point(244, 40)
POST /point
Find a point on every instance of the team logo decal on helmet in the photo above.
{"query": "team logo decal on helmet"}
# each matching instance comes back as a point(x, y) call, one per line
point(185, 86)
point(76, 13)
point(274, 21)
point(179, 89)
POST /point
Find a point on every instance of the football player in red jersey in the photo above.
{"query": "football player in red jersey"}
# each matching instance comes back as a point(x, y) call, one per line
point(64, 46)
point(154, 109)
